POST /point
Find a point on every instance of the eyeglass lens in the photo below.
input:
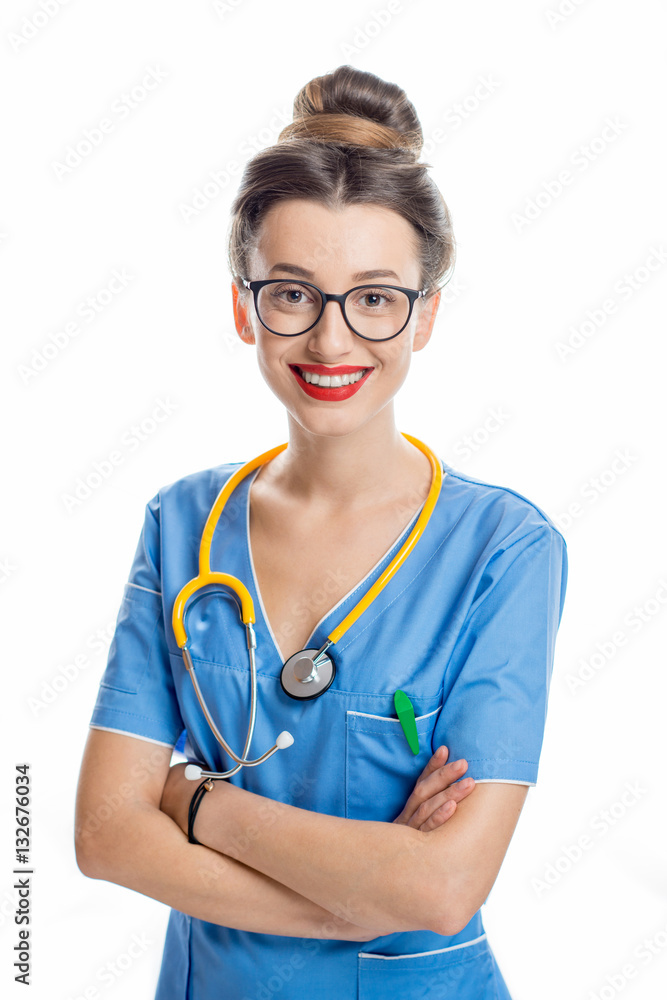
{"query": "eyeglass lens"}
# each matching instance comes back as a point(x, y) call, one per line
point(374, 311)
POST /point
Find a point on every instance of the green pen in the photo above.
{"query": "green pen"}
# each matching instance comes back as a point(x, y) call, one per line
point(406, 715)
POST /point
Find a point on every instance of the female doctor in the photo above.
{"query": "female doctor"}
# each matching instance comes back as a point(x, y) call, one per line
point(353, 862)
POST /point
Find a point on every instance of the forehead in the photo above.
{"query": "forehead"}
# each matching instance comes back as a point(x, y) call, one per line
point(341, 241)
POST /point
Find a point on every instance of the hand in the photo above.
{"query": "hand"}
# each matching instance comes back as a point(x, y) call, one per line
point(434, 797)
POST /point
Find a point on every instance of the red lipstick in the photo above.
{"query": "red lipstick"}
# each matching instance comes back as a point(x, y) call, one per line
point(328, 393)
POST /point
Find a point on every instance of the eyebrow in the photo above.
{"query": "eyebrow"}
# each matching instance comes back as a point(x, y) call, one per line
point(302, 272)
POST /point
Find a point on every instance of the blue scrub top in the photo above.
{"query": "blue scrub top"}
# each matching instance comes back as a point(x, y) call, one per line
point(466, 627)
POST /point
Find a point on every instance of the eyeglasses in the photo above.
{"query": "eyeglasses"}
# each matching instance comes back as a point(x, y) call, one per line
point(373, 312)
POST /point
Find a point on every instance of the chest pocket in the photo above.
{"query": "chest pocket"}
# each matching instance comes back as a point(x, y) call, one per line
point(380, 768)
point(467, 972)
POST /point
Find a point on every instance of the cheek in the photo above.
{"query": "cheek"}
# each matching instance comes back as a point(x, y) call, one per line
point(395, 360)
point(397, 352)
point(274, 370)
point(268, 356)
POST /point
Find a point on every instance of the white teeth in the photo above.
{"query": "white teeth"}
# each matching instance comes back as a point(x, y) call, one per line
point(332, 380)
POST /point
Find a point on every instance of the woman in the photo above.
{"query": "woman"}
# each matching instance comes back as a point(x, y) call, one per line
point(351, 834)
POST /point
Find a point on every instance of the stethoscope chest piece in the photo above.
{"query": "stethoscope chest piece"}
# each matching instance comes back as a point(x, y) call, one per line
point(303, 679)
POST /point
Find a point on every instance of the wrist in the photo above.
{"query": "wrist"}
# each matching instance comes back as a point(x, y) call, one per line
point(176, 796)
point(213, 823)
point(199, 794)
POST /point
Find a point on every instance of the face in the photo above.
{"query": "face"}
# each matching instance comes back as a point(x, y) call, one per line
point(304, 240)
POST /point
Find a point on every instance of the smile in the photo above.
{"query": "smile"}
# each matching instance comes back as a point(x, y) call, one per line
point(331, 383)
point(344, 378)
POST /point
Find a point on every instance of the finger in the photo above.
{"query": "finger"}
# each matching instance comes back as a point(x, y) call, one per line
point(432, 804)
point(429, 786)
point(458, 791)
point(442, 811)
point(441, 778)
point(455, 793)
point(436, 761)
point(439, 816)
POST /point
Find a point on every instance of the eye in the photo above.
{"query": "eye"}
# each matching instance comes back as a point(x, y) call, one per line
point(291, 295)
point(374, 298)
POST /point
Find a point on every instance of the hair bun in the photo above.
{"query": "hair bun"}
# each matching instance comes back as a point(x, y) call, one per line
point(352, 106)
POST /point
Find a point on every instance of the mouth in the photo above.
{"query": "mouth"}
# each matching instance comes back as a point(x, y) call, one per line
point(330, 383)
point(330, 377)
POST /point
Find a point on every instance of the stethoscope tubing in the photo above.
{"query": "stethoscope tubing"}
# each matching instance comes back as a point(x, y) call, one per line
point(247, 610)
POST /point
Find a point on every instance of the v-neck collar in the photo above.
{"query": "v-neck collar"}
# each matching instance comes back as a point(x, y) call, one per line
point(265, 618)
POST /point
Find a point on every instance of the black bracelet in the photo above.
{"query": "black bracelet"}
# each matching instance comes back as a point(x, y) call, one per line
point(195, 802)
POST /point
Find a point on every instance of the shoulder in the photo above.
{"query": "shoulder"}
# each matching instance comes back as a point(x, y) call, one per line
point(511, 539)
point(498, 510)
point(193, 492)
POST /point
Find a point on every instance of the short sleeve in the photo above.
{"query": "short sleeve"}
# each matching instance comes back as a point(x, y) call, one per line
point(136, 693)
point(497, 680)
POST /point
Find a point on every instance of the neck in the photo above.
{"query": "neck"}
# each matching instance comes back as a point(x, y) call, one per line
point(372, 465)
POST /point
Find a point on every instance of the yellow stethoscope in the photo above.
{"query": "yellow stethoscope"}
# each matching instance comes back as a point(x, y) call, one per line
point(308, 673)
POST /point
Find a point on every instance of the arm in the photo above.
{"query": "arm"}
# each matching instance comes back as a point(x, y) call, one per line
point(123, 837)
point(385, 876)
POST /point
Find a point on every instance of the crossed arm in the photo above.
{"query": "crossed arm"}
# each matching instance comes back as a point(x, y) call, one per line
point(275, 868)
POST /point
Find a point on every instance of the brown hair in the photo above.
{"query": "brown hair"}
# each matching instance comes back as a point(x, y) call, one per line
point(354, 139)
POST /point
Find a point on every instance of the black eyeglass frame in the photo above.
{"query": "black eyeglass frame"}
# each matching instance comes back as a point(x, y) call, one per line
point(255, 287)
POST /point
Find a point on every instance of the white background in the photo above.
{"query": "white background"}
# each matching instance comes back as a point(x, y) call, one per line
point(560, 927)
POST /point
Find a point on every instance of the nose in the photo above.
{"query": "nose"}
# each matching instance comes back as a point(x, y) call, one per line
point(331, 335)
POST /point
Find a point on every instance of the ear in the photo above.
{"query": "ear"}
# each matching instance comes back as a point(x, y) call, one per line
point(426, 320)
point(241, 319)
